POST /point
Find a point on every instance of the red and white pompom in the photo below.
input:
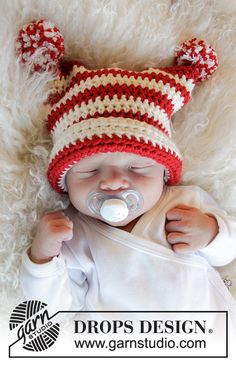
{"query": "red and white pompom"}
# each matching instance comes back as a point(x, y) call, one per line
point(40, 45)
point(200, 55)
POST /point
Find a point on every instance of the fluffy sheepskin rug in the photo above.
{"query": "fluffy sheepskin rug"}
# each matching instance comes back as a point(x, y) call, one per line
point(130, 34)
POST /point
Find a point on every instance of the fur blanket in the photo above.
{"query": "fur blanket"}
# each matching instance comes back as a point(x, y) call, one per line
point(130, 34)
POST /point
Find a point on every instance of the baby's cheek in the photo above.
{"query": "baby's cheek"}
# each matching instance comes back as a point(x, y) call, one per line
point(140, 181)
point(76, 193)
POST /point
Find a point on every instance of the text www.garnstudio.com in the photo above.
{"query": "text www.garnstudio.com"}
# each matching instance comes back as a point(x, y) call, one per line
point(146, 343)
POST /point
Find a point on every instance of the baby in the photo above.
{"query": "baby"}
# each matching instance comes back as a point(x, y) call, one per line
point(132, 239)
point(188, 229)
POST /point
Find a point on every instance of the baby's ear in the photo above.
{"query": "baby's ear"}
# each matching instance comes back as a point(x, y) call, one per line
point(165, 176)
point(40, 46)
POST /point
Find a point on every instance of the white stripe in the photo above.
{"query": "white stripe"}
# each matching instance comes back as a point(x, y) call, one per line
point(60, 84)
point(97, 81)
point(110, 105)
point(114, 126)
point(62, 179)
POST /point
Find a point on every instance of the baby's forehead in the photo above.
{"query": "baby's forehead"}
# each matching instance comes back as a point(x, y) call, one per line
point(113, 158)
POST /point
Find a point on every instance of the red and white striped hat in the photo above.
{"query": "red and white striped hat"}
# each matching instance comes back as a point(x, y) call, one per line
point(112, 110)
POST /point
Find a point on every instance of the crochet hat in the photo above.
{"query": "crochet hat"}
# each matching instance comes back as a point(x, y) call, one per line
point(112, 110)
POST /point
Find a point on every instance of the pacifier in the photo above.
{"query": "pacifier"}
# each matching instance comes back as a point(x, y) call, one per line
point(117, 207)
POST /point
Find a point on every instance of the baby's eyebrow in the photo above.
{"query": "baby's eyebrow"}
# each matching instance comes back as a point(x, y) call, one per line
point(141, 162)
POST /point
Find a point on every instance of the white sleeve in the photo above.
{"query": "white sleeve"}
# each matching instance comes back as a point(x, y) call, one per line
point(50, 283)
point(222, 250)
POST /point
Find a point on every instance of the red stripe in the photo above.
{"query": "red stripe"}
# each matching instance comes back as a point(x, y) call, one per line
point(137, 91)
point(106, 144)
point(188, 71)
point(90, 95)
point(123, 114)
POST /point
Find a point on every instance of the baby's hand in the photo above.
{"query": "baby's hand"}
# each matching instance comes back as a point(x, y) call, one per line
point(53, 229)
point(188, 229)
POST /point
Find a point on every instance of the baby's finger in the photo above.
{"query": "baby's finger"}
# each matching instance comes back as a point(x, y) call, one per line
point(177, 237)
point(183, 206)
point(176, 226)
point(62, 222)
point(176, 214)
point(52, 216)
point(63, 234)
point(182, 248)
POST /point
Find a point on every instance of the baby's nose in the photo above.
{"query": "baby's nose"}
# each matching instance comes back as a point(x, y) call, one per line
point(114, 179)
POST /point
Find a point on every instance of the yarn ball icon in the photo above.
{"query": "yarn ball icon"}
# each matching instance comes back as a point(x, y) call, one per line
point(34, 326)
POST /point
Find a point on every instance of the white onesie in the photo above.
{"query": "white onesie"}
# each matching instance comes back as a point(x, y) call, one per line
point(106, 268)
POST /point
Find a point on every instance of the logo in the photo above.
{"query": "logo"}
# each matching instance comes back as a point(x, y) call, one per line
point(34, 326)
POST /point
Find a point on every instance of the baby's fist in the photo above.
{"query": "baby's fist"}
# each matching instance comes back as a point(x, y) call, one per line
point(53, 229)
point(188, 229)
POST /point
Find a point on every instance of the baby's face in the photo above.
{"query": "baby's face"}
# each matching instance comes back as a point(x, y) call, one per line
point(112, 173)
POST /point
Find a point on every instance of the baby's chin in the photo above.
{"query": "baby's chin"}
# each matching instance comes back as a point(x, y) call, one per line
point(123, 223)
